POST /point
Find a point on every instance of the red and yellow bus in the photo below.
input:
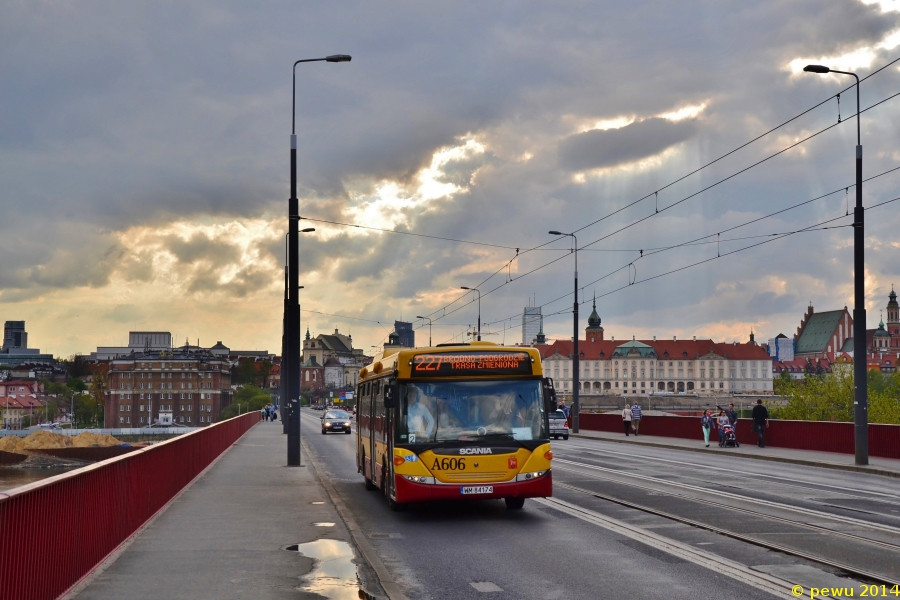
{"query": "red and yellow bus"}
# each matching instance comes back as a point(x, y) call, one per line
point(455, 422)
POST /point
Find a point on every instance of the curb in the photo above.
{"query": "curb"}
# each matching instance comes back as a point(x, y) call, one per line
point(369, 554)
point(720, 451)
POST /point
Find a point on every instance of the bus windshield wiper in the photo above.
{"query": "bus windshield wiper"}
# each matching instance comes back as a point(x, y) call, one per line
point(498, 434)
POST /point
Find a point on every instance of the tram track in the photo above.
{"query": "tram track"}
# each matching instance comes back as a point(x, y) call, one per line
point(614, 476)
point(809, 512)
point(847, 568)
point(889, 499)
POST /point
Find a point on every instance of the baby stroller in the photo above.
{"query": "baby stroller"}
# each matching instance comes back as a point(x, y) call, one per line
point(728, 438)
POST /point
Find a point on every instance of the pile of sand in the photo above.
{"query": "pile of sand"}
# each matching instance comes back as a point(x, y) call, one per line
point(87, 439)
point(46, 440)
point(11, 443)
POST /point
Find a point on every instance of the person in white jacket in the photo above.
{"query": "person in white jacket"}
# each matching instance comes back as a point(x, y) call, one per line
point(626, 419)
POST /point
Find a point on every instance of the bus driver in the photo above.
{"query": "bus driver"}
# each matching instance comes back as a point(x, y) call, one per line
point(419, 420)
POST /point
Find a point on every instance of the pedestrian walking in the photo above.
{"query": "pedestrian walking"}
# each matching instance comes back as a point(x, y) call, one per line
point(706, 422)
point(730, 413)
point(722, 421)
point(626, 419)
point(635, 417)
point(564, 408)
point(274, 413)
point(760, 422)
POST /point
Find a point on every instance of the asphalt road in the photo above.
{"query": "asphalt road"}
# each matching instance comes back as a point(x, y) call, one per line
point(452, 550)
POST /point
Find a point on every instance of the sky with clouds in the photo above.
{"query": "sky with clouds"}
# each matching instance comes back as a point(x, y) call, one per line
point(144, 165)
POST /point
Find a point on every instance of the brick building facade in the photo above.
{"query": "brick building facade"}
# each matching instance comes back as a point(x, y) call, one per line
point(191, 387)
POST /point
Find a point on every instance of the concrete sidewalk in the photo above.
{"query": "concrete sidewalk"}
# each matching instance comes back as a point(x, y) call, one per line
point(225, 536)
point(830, 460)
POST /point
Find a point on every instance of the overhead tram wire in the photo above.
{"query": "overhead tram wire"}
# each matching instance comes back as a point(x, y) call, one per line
point(642, 219)
point(741, 147)
point(623, 228)
point(695, 240)
point(521, 252)
point(411, 233)
point(821, 226)
point(814, 227)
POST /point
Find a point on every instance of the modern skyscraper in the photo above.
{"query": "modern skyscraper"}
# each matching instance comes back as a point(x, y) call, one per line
point(406, 333)
point(532, 323)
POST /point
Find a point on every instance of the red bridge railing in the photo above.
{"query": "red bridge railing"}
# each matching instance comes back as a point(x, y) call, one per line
point(820, 436)
point(55, 532)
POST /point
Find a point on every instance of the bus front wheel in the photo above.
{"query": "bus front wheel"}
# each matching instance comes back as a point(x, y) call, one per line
point(514, 503)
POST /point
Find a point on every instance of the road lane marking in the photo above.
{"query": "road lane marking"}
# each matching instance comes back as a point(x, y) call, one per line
point(741, 537)
point(731, 470)
point(769, 503)
point(486, 586)
point(723, 566)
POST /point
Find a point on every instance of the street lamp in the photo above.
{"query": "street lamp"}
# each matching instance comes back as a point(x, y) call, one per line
point(285, 328)
point(479, 307)
point(429, 328)
point(860, 384)
point(576, 383)
point(292, 318)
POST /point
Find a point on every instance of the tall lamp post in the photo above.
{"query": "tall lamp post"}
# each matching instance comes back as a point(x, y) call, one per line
point(285, 327)
point(479, 307)
point(429, 328)
point(292, 319)
point(576, 383)
point(860, 384)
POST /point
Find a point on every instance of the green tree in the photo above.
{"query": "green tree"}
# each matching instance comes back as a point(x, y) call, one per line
point(264, 369)
point(244, 372)
point(77, 384)
point(783, 384)
point(830, 398)
point(246, 399)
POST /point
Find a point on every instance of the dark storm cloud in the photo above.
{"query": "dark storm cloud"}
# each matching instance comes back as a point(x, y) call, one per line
point(116, 116)
point(611, 147)
point(200, 248)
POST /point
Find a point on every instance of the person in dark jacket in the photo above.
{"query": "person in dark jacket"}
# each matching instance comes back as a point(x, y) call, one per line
point(760, 421)
point(730, 413)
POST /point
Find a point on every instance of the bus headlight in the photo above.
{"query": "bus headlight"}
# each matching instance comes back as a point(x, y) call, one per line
point(530, 476)
point(419, 479)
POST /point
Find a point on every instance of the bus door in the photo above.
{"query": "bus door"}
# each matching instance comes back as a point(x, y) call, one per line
point(377, 430)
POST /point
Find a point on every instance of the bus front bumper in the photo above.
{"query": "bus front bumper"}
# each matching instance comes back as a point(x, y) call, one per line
point(407, 491)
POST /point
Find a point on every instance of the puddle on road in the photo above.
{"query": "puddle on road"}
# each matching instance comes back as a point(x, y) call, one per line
point(334, 575)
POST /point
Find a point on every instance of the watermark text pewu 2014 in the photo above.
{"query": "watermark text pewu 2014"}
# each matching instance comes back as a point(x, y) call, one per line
point(862, 591)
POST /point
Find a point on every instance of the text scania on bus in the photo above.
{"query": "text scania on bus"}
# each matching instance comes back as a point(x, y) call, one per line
point(468, 420)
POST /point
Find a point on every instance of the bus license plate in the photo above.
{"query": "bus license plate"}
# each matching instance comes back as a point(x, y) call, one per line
point(480, 489)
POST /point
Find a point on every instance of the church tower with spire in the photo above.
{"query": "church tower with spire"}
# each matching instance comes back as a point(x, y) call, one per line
point(594, 331)
point(893, 314)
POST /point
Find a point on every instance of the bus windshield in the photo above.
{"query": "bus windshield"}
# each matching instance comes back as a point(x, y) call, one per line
point(471, 410)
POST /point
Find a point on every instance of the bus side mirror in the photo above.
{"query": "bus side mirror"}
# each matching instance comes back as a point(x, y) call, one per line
point(391, 394)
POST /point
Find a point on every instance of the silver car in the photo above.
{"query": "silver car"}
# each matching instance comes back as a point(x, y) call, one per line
point(559, 425)
point(335, 420)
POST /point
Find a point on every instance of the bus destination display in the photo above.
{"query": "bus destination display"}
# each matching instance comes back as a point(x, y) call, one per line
point(471, 363)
